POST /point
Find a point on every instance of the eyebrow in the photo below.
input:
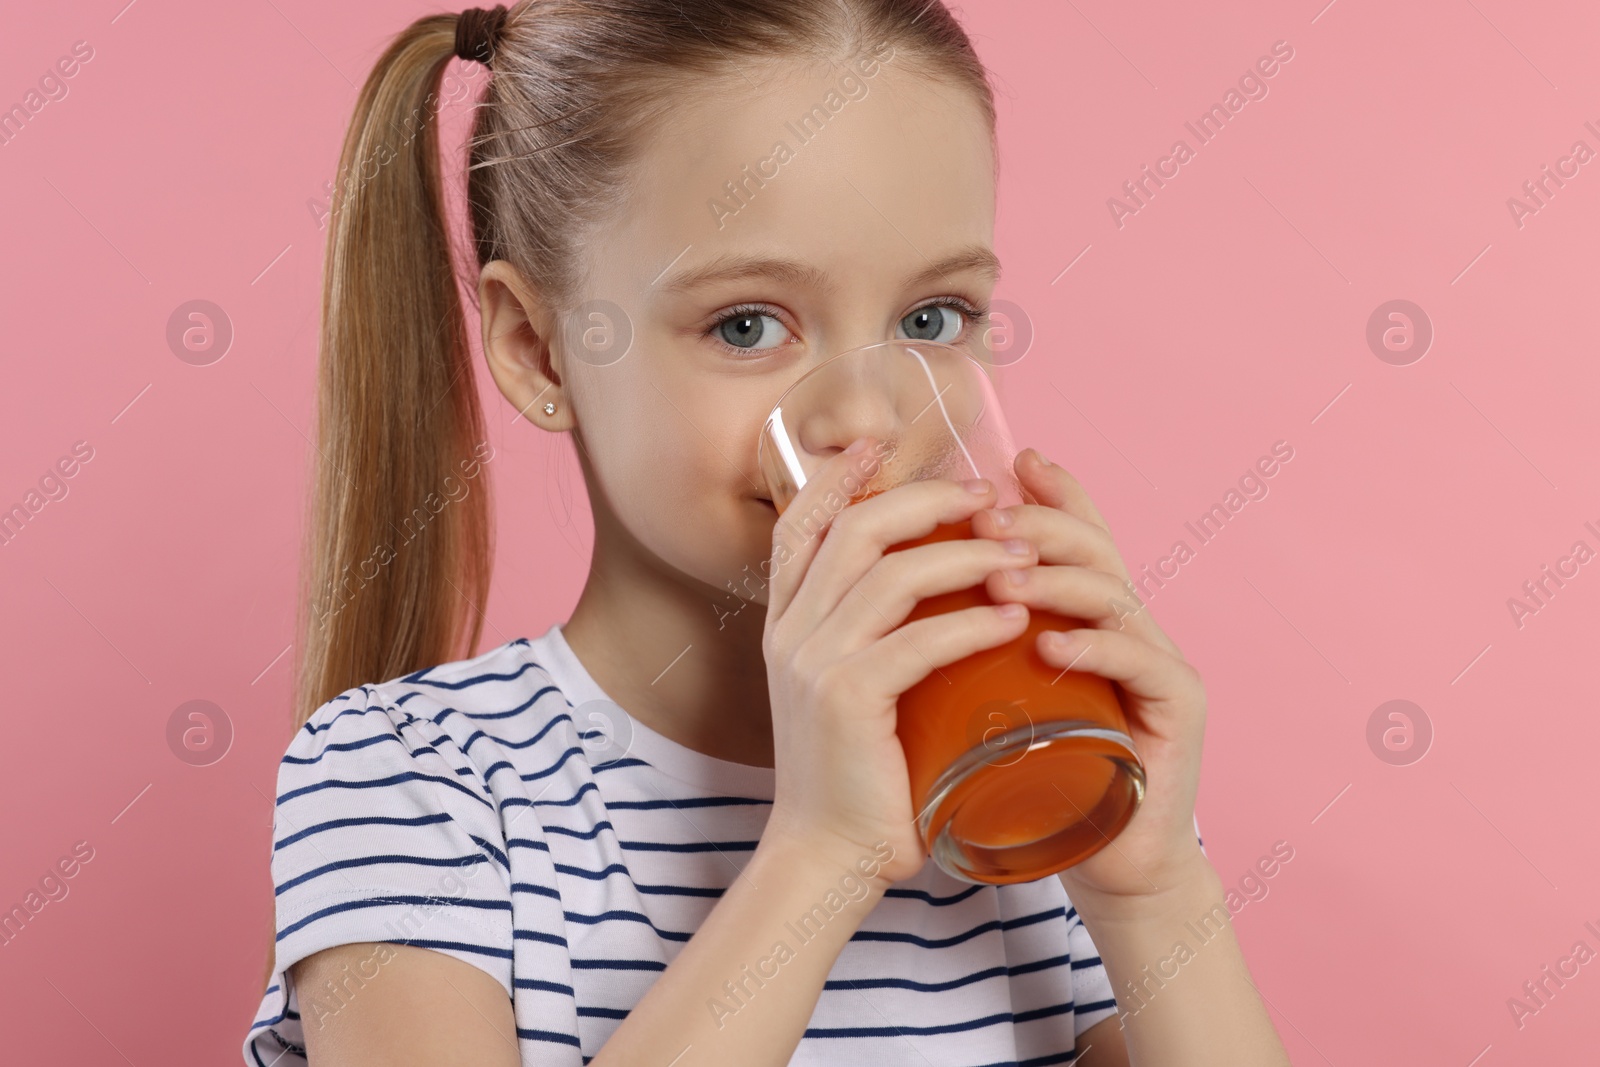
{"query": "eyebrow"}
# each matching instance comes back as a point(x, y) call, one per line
point(787, 271)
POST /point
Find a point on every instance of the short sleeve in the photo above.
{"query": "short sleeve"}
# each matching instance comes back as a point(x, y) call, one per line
point(384, 830)
point(1092, 999)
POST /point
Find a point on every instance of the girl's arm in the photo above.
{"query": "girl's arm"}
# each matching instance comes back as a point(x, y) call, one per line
point(1191, 999)
point(417, 1008)
point(1150, 900)
point(427, 1009)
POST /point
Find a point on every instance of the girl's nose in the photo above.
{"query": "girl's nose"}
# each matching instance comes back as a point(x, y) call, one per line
point(861, 398)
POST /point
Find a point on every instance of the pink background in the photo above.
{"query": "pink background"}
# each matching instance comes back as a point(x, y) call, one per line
point(1229, 313)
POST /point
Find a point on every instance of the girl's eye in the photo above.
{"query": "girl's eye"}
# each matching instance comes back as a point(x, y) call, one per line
point(756, 327)
point(750, 328)
point(941, 321)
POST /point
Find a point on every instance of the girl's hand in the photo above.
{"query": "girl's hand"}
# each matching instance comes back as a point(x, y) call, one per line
point(838, 657)
point(1081, 575)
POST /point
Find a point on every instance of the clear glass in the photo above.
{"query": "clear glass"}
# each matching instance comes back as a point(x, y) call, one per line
point(1018, 769)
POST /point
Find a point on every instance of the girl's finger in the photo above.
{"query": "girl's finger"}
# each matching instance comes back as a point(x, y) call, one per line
point(862, 533)
point(895, 584)
point(1061, 537)
point(797, 535)
point(1079, 593)
point(1164, 683)
point(1093, 596)
point(905, 656)
point(1054, 487)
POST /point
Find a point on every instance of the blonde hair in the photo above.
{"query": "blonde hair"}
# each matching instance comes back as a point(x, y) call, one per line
point(577, 86)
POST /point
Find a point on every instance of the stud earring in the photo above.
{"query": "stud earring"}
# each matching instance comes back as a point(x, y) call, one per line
point(550, 408)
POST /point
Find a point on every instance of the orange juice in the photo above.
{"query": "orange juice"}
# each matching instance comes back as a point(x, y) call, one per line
point(1046, 772)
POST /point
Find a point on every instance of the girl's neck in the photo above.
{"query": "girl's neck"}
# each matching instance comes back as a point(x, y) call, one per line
point(653, 640)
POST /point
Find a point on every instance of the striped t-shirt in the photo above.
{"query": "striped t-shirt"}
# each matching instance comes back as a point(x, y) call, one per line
point(503, 810)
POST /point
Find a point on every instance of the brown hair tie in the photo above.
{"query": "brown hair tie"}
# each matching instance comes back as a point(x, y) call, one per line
point(478, 31)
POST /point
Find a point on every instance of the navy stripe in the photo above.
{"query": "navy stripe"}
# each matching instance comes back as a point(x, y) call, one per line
point(603, 1013)
point(459, 946)
point(476, 679)
point(919, 987)
point(523, 842)
point(537, 935)
point(341, 746)
point(369, 861)
point(617, 914)
point(955, 939)
point(582, 835)
point(379, 783)
point(1070, 1056)
point(1043, 1013)
point(476, 734)
point(617, 764)
point(551, 1036)
point(541, 986)
point(553, 768)
point(366, 820)
point(925, 942)
point(520, 708)
point(935, 987)
point(685, 802)
point(358, 905)
point(504, 742)
point(537, 890)
point(929, 898)
point(690, 846)
point(901, 1031)
point(368, 709)
point(1036, 917)
point(523, 802)
point(678, 890)
point(593, 876)
point(488, 846)
point(496, 767)
point(1040, 965)
point(617, 965)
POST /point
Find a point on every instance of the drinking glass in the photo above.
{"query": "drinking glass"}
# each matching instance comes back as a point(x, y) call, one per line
point(1018, 769)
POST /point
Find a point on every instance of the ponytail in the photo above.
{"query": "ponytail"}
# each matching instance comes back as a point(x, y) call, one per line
point(396, 558)
point(393, 578)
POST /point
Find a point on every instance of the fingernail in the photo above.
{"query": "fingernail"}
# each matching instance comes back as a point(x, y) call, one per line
point(1012, 611)
point(1017, 546)
point(1001, 518)
point(1018, 577)
point(977, 485)
point(856, 446)
point(1042, 458)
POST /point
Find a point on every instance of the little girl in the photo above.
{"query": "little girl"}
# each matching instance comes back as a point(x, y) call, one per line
point(676, 829)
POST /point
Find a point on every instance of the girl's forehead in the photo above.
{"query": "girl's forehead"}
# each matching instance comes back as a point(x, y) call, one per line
point(820, 159)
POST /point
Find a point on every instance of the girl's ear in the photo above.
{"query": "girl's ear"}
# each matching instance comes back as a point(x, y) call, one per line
point(517, 330)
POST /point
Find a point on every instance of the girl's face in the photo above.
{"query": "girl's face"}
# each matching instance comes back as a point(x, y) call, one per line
point(865, 212)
